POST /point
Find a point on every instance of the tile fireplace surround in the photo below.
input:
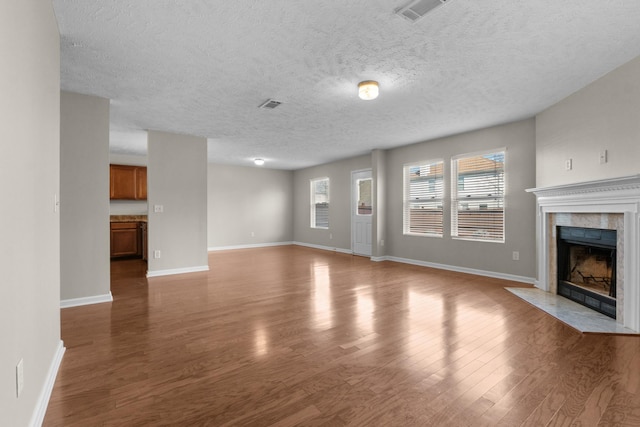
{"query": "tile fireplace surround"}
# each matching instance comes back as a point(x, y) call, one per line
point(607, 204)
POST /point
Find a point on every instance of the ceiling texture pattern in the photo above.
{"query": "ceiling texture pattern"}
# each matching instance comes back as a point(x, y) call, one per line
point(202, 67)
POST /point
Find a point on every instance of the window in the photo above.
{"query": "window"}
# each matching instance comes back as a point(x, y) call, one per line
point(423, 193)
point(320, 203)
point(477, 198)
point(364, 197)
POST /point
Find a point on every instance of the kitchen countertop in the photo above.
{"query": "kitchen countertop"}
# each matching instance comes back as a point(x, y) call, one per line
point(128, 218)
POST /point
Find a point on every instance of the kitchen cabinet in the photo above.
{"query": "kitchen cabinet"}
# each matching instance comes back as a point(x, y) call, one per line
point(128, 182)
point(126, 239)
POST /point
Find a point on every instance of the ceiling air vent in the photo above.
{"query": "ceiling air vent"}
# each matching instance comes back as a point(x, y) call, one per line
point(269, 104)
point(418, 8)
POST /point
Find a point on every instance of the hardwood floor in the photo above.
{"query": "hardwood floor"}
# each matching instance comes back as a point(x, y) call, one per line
point(289, 335)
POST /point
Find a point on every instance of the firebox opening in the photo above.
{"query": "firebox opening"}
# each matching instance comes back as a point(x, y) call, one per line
point(587, 267)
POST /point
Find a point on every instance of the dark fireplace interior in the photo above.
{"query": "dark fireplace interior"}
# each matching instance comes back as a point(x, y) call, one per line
point(587, 267)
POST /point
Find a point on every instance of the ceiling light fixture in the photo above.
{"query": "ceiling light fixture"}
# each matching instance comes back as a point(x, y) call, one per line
point(258, 162)
point(368, 90)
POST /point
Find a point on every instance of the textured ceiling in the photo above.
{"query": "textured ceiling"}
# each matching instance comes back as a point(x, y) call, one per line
point(202, 67)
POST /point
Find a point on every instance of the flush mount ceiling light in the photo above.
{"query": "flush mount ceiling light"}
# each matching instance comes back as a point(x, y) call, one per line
point(368, 90)
point(258, 162)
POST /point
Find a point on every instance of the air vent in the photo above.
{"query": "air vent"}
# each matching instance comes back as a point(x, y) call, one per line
point(269, 104)
point(418, 8)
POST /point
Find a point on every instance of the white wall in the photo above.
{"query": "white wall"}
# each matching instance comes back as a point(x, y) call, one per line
point(84, 195)
point(604, 115)
point(519, 140)
point(29, 181)
point(177, 180)
point(339, 233)
point(128, 207)
point(246, 200)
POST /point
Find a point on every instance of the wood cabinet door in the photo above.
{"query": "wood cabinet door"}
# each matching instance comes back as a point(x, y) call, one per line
point(141, 183)
point(123, 182)
point(125, 239)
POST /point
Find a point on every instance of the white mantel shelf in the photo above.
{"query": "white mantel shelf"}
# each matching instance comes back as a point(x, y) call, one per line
point(623, 184)
point(615, 195)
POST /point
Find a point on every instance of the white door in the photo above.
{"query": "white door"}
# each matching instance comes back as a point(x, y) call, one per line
point(361, 211)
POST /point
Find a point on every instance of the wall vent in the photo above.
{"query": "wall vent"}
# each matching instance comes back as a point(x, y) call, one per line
point(416, 9)
point(269, 104)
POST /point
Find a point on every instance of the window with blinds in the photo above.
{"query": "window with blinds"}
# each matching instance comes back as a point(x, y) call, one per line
point(477, 196)
point(423, 194)
point(320, 203)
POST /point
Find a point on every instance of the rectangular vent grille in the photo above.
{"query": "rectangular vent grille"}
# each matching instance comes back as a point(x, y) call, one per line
point(269, 104)
point(418, 8)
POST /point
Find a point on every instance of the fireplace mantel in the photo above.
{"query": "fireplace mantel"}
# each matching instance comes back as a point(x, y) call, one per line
point(617, 195)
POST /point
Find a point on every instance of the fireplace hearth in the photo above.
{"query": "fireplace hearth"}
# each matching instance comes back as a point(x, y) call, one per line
point(587, 267)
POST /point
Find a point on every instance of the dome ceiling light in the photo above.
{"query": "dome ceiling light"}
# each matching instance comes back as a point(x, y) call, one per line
point(368, 90)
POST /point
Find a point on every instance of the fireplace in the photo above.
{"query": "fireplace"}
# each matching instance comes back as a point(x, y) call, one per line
point(609, 208)
point(586, 265)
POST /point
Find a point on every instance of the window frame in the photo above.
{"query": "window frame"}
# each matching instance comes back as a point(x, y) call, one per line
point(313, 202)
point(499, 199)
point(406, 197)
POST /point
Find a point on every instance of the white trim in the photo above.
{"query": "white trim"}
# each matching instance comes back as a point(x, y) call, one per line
point(324, 248)
point(45, 394)
point(76, 302)
point(251, 246)
point(172, 271)
point(379, 258)
point(493, 274)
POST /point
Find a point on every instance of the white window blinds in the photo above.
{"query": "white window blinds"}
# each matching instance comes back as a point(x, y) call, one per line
point(423, 193)
point(320, 203)
point(477, 196)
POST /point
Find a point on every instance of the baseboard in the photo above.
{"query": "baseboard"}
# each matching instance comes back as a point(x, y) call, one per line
point(251, 246)
point(96, 299)
point(172, 271)
point(324, 248)
point(379, 258)
point(45, 394)
point(493, 274)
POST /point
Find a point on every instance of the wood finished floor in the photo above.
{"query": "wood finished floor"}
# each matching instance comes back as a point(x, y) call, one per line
point(288, 336)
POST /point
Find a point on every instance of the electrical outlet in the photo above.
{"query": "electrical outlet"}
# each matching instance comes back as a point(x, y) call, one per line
point(156, 254)
point(568, 164)
point(253, 234)
point(382, 242)
point(603, 157)
point(158, 208)
point(19, 377)
point(330, 236)
point(516, 256)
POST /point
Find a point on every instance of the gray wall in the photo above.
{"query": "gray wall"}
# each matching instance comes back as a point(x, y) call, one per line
point(128, 207)
point(339, 233)
point(29, 182)
point(604, 115)
point(84, 195)
point(379, 174)
point(519, 139)
point(177, 180)
point(245, 200)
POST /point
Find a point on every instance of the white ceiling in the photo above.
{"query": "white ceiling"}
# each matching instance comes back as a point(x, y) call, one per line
point(202, 67)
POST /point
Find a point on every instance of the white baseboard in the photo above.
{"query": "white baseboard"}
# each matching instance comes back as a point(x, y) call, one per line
point(172, 271)
point(495, 275)
point(45, 394)
point(251, 246)
point(96, 299)
point(324, 248)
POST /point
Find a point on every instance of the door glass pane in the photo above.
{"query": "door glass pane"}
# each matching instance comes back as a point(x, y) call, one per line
point(364, 196)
